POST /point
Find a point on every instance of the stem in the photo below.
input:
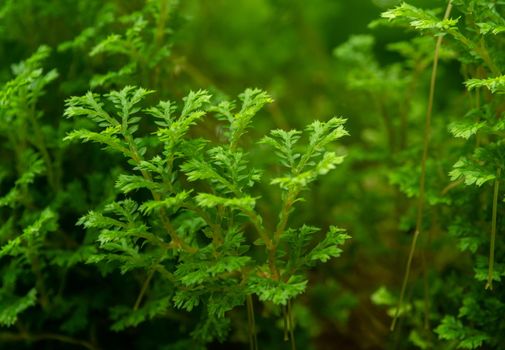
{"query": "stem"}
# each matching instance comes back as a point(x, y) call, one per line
point(217, 235)
point(253, 341)
point(159, 36)
point(257, 222)
point(480, 50)
point(39, 277)
point(176, 240)
point(143, 290)
point(291, 326)
point(285, 318)
point(40, 144)
point(489, 284)
point(37, 139)
point(281, 227)
point(12, 337)
point(422, 181)
point(426, 285)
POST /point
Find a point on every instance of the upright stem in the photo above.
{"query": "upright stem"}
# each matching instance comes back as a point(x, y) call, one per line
point(281, 227)
point(291, 326)
point(177, 242)
point(253, 341)
point(422, 181)
point(489, 284)
point(285, 319)
point(159, 37)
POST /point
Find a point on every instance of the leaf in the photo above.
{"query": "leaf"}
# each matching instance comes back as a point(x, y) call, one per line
point(198, 169)
point(126, 101)
point(471, 172)
point(383, 296)
point(173, 130)
point(418, 18)
point(329, 247)
point(193, 103)
point(126, 317)
point(47, 221)
point(170, 202)
point(211, 201)
point(252, 101)
point(466, 128)
point(278, 292)
point(496, 85)
point(128, 183)
point(452, 329)
point(90, 107)
point(284, 143)
point(104, 138)
point(11, 307)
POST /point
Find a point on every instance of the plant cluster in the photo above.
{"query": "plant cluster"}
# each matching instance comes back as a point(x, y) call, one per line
point(456, 183)
point(143, 206)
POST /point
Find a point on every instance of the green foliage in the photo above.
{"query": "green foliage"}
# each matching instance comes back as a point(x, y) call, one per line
point(194, 239)
point(154, 218)
point(478, 160)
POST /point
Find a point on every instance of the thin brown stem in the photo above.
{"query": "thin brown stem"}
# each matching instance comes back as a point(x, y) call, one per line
point(253, 341)
point(426, 285)
point(489, 284)
point(291, 326)
point(143, 290)
point(422, 181)
point(285, 319)
point(176, 240)
point(24, 336)
point(281, 227)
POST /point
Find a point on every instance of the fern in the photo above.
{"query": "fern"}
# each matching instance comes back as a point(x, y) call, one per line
point(166, 233)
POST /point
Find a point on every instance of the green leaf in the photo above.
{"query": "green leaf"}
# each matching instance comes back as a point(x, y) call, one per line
point(126, 317)
point(496, 85)
point(452, 329)
point(11, 307)
point(466, 128)
point(471, 172)
point(128, 183)
point(418, 18)
point(329, 247)
point(211, 201)
point(284, 143)
point(252, 101)
point(170, 202)
point(278, 292)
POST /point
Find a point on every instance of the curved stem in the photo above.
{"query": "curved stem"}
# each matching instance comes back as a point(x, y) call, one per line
point(12, 337)
point(422, 180)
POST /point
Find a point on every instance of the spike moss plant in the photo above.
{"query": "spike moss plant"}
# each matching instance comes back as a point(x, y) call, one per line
point(187, 210)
